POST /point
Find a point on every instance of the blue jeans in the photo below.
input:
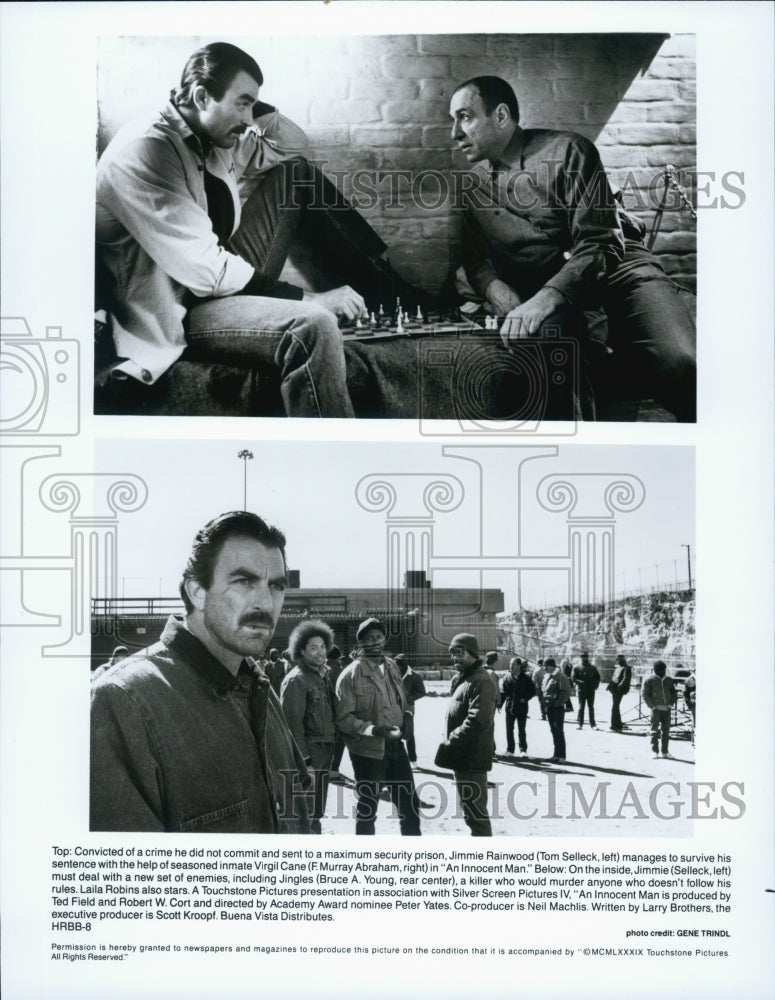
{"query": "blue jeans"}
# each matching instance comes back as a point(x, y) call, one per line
point(301, 338)
point(660, 726)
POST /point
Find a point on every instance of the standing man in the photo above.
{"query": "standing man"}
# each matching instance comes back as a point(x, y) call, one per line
point(371, 713)
point(544, 241)
point(187, 735)
point(586, 677)
point(538, 680)
point(518, 689)
point(471, 732)
point(307, 700)
point(660, 695)
point(690, 697)
point(197, 207)
point(415, 689)
point(556, 695)
point(275, 670)
point(619, 685)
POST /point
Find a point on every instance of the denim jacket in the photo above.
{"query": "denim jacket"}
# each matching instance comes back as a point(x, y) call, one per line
point(306, 698)
point(173, 749)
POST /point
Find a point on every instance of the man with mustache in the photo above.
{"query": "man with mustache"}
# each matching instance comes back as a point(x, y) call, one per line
point(197, 208)
point(188, 735)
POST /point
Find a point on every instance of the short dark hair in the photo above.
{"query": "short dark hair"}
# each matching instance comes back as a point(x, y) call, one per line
point(660, 665)
point(492, 657)
point(308, 629)
point(209, 542)
point(214, 67)
point(494, 91)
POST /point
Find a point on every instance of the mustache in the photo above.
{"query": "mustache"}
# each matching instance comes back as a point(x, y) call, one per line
point(257, 618)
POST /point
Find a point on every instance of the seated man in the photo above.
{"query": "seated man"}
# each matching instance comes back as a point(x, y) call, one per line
point(546, 245)
point(197, 207)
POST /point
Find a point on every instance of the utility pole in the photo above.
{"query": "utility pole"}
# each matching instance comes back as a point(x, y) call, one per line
point(245, 455)
point(688, 561)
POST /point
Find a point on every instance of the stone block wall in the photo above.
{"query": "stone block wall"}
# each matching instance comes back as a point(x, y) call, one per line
point(376, 112)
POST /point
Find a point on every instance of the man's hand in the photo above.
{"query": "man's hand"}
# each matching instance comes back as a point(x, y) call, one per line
point(526, 319)
point(344, 302)
point(387, 732)
point(501, 297)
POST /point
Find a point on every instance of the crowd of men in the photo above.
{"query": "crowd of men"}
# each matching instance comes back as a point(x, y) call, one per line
point(198, 205)
point(205, 732)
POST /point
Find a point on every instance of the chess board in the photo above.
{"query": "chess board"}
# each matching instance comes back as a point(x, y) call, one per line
point(387, 328)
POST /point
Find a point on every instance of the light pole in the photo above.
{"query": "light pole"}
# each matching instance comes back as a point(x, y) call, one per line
point(688, 561)
point(245, 455)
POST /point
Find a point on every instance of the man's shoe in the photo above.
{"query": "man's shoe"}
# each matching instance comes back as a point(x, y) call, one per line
point(508, 753)
point(668, 756)
point(579, 727)
point(523, 753)
point(593, 726)
point(560, 760)
point(655, 755)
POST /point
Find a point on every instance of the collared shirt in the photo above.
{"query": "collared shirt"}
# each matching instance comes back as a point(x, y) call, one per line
point(178, 743)
point(155, 238)
point(544, 215)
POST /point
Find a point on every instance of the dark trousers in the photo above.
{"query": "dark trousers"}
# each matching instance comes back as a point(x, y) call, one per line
point(472, 796)
point(320, 765)
point(295, 200)
point(519, 715)
point(394, 771)
point(556, 718)
point(616, 715)
point(652, 331)
point(586, 698)
point(338, 753)
point(660, 725)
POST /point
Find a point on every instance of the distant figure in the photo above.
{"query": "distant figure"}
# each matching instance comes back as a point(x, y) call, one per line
point(586, 677)
point(518, 688)
point(619, 685)
point(538, 680)
point(471, 731)
point(660, 696)
point(690, 697)
point(490, 662)
point(275, 670)
point(119, 653)
point(556, 696)
point(415, 689)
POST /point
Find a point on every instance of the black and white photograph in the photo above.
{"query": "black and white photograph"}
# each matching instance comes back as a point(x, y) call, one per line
point(306, 226)
point(265, 677)
point(566, 607)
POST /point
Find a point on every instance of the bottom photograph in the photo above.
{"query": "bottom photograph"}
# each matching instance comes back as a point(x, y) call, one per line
point(397, 639)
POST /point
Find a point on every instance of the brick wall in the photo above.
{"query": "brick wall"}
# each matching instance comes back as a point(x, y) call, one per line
point(376, 110)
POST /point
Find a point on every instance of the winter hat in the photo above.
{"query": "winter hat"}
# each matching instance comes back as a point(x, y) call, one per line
point(467, 641)
point(370, 623)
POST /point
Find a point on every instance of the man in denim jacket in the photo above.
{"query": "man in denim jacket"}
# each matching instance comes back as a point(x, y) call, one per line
point(307, 700)
point(188, 735)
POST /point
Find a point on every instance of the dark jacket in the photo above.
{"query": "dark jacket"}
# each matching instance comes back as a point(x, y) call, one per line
point(471, 719)
point(517, 689)
point(307, 701)
point(659, 691)
point(586, 677)
point(620, 679)
point(414, 687)
point(178, 745)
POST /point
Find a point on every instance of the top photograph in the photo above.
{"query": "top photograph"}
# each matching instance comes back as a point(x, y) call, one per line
point(495, 230)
